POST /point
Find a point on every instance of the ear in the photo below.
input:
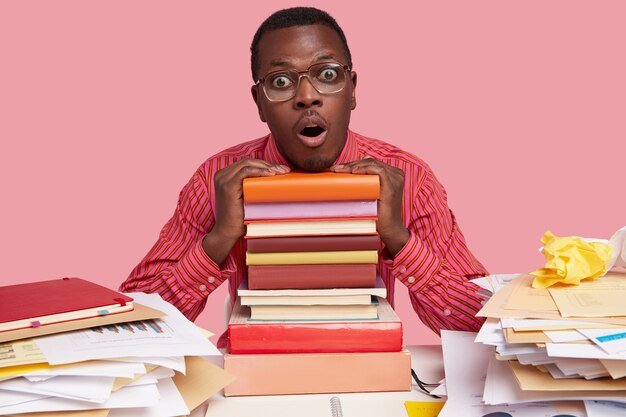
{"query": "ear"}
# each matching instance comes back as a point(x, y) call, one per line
point(353, 78)
point(257, 100)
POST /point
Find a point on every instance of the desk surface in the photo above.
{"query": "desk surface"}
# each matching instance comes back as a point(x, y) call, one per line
point(427, 361)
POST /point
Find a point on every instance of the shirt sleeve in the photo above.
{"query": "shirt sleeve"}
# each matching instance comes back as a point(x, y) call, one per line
point(177, 267)
point(435, 264)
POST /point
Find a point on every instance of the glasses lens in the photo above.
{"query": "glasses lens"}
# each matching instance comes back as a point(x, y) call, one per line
point(327, 78)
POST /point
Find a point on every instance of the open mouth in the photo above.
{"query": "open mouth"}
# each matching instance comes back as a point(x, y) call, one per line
point(312, 132)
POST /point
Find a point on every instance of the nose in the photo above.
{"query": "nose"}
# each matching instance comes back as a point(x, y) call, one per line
point(306, 95)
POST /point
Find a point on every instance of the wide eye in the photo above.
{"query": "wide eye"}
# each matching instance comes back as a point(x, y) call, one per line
point(328, 75)
point(281, 81)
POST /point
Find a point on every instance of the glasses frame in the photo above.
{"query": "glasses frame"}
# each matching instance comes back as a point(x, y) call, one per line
point(305, 73)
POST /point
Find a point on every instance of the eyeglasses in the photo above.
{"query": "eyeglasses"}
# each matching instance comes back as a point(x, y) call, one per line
point(325, 77)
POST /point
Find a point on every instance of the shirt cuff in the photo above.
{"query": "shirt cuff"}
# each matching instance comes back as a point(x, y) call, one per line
point(199, 274)
point(414, 264)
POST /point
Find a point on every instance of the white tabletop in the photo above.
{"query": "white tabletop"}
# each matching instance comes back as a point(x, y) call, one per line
point(427, 362)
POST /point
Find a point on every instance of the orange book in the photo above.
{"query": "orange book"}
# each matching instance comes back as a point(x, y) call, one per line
point(317, 373)
point(316, 186)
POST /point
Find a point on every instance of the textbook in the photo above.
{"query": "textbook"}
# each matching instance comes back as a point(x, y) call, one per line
point(306, 300)
point(37, 304)
point(316, 373)
point(317, 186)
point(327, 257)
point(253, 336)
point(276, 277)
point(378, 290)
point(308, 227)
point(313, 243)
point(314, 312)
point(310, 209)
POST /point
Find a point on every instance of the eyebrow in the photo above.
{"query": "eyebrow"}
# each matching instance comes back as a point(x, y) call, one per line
point(283, 63)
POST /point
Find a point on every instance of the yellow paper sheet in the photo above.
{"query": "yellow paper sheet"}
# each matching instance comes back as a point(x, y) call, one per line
point(616, 368)
point(423, 408)
point(201, 380)
point(531, 379)
point(598, 298)
point(570, 260)
point(20, 352)
point(524, 297)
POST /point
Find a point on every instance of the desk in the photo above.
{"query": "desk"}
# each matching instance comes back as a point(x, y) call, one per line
point(427, 361)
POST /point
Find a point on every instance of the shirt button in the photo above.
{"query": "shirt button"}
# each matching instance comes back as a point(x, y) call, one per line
point(202, 287)
point(447, 312)
point(403, 270)
point(411, 280)
point(211, 280)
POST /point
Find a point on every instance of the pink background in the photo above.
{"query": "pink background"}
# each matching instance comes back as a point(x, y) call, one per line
point(107, 108)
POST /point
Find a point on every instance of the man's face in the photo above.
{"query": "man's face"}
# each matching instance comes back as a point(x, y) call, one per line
point(311, 128)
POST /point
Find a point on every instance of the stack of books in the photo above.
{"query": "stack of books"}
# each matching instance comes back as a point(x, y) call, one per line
point(313, 310)
point(565, 342)
point(72, 347)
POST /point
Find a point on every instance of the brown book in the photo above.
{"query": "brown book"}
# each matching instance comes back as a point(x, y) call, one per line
point(313, 243)
point(273, 277)
point(316, 373)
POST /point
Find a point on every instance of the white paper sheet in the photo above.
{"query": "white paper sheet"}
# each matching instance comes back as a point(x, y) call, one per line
point(153, 377)
point(465, 364)
point(612, 341)
point(127, 397)
point(94, 368)
point(12, 398)
point(605, 409)
point(567, 350)
point(96, 389)
point(177, 363)
point(618, 243)
point(172, 335)
point(573, 366)
point(491, 333)
point(565, 336)
point(170, 404)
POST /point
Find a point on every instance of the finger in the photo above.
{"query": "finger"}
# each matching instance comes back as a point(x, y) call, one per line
point(262, 164)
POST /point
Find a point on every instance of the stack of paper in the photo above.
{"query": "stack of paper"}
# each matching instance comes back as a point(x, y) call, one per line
point(146, 362)
point(563, 342)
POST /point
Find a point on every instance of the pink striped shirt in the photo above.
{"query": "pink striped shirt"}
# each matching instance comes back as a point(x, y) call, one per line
point(435, 264)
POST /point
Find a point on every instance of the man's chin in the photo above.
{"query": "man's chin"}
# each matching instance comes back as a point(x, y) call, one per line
point(314, 164)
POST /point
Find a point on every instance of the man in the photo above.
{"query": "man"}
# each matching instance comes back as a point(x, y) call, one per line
point(305, 91)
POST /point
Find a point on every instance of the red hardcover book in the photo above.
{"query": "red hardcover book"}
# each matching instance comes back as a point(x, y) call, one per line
point(382, 335)
point(275, 277)
point(45, 302)
point(313, 243)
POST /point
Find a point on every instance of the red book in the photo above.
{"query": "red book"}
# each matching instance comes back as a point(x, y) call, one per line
point(274, 277)
point(313, 243)
point(382, 335)
point(45, 302)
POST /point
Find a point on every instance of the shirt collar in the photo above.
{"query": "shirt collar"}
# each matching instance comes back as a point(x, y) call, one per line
point(349, 152)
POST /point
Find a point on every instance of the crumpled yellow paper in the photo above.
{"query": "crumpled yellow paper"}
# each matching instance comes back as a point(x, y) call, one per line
point(571, 259)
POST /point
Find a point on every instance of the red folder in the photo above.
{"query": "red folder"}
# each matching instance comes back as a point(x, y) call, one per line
point(39, 303)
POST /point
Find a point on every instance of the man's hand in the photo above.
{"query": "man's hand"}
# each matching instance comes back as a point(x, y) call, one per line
point(390, 226)
point(229, 214)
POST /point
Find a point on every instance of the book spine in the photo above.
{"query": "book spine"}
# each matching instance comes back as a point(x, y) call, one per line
point(331, 337)
point(310, 209)
point(313, 243)
point(276, 277)
point(318, 373)
point(311, 187)
point(313, 258)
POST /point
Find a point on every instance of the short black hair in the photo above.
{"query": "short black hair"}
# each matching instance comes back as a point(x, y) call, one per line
point(295, 16)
